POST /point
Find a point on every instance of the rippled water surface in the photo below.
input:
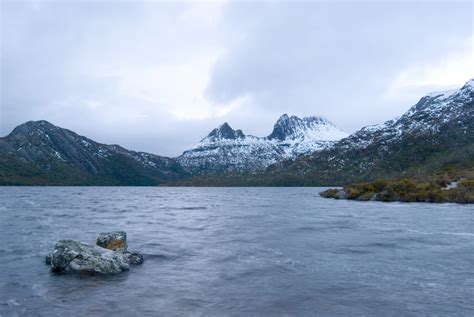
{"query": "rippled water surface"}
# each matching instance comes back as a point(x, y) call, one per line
point(238, 251)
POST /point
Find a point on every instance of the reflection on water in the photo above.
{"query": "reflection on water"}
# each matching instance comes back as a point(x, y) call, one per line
point(238, 251)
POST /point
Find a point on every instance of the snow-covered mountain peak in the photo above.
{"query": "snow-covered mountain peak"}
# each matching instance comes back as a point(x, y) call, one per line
point(464, 91)
point(224, 132)
point(442, 94)
point(433, 113)
point(440, 103)
point(228, 149)
point(467, 91)
point(470, 83)
point(313, 127)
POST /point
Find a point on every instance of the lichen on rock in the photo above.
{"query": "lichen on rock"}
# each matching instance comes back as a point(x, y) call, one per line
point(116, 240)
point(74, 256)
point(108, 256)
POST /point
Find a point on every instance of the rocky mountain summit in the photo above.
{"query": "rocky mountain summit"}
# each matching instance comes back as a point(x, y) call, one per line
point(44, 153)
point(437, 132)
point(38, 152)
point(225, 132)
point(225, 149)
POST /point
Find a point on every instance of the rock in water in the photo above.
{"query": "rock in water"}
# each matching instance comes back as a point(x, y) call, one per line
point(116, 241)
point(341, 195)
point(73, 256)
point(133, 257)
point(110, 255)
point(47, 259)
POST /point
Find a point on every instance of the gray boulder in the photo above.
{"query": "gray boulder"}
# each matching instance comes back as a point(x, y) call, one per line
point(340, 195)
point(134, 257)
point(73, 256)
point(116, 241)
point(109, 255)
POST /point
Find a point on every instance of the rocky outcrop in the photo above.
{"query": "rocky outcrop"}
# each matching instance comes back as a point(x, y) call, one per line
point(134, 257)
point(113, 240)
point(73, 256)
point(109, 256)
point(228, 150)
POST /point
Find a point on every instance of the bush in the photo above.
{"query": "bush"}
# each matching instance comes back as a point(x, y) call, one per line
point(329, 193)
point(421, 189)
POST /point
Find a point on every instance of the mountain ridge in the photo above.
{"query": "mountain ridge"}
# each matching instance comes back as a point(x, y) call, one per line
point(48, 154)
point(436, 133)
point(228, 150)
point(39, 152)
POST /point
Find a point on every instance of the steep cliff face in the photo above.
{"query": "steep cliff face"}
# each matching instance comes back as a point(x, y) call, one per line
point(226, 150)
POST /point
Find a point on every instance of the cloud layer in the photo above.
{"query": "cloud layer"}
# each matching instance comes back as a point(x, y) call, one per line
point(158, 76)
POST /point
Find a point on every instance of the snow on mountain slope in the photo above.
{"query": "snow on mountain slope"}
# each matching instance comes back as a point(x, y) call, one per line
point(306, 135)
point(225, 149)
point(427, 116)
point(437, 133)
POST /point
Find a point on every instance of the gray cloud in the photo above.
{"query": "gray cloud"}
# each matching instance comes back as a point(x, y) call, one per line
point(333, 59)
point(158, 76)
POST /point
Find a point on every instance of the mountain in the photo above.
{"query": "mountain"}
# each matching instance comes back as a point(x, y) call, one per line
point(303, 136)
point(38, 152)
point(435, 134)
point(229, 150)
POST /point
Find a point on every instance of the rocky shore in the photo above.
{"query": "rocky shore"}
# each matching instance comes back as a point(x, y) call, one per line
point(109, 255)
point(437, 189)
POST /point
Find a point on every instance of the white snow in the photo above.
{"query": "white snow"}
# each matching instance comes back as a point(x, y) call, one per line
point(311, 134)
point(425, 116)
point(56, 153)
point(451, 185)
point(441, 95)
point(307, 135)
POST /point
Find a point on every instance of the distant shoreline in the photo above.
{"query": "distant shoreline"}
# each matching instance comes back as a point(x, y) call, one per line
point(440, 188)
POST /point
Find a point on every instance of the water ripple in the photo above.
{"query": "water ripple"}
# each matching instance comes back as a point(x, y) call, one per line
point(238, 251)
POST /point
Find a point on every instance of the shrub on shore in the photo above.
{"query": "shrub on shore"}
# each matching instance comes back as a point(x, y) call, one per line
point(458, 188)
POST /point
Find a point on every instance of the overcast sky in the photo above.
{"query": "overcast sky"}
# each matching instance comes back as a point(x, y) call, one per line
point(158, 76)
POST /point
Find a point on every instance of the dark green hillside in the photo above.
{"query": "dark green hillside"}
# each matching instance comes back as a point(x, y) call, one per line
point(39, 153)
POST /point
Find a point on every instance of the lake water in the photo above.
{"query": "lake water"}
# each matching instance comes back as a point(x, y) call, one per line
point(238, 251)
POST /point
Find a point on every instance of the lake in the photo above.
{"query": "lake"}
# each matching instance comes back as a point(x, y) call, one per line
point(238, 251)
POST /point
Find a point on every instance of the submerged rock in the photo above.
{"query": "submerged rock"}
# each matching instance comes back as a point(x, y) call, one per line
point(116, 240)
point(134, 257)
point(109, 256)
point(47, 259)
